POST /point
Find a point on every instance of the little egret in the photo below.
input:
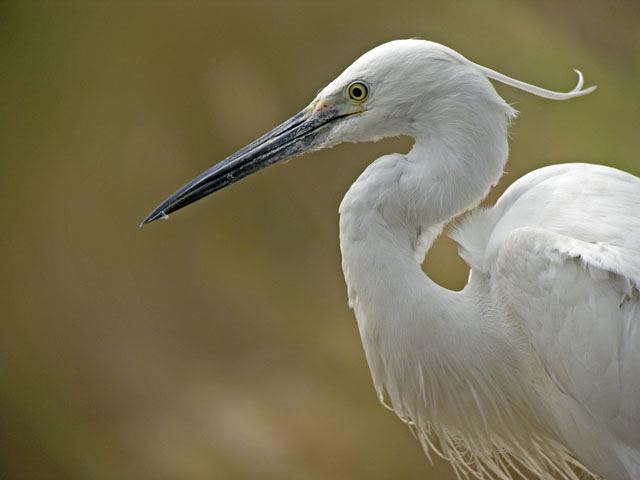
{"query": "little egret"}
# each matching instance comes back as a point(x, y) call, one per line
point(535, 364)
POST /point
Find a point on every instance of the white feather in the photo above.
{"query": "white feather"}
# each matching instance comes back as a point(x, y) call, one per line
point(537, 359)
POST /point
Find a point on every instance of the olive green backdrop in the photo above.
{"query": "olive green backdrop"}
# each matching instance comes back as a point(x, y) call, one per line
point(219, 344)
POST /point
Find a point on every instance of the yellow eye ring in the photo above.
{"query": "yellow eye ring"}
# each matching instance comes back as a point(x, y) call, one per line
point(357, 92)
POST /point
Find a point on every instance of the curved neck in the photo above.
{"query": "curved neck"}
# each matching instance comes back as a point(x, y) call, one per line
point(404, 200)
point(389, 218)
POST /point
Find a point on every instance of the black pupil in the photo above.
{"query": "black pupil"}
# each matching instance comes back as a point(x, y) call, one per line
point(357, 92)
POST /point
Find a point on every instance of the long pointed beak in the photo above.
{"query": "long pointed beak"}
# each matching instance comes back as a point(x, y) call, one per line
point(305, 130)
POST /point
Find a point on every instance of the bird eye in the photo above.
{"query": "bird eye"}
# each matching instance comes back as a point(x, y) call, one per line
point(357, 92)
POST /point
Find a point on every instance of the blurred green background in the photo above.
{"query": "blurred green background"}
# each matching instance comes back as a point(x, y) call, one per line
point(219, 344)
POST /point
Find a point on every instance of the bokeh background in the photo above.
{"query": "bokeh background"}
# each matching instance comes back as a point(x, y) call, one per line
point(219, 344)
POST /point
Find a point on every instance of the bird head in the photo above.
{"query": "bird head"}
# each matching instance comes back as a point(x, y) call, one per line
point(403, 87)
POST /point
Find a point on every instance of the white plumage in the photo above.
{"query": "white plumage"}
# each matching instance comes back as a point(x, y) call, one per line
point(538, 358)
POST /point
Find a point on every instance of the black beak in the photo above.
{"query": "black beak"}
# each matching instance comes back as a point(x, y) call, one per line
point(301, 132)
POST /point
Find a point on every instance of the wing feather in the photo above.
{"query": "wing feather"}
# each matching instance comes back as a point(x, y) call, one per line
point(562, 248)
point(578, 304)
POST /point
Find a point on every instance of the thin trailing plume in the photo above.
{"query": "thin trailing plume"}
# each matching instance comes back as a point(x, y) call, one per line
point(540, 92)
point(527, 87)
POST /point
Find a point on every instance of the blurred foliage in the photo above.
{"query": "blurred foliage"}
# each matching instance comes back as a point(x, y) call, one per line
point(220, 344)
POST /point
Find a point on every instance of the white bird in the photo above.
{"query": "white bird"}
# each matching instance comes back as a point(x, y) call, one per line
point(537, 359)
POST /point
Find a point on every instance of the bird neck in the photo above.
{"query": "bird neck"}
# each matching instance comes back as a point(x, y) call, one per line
point(398, 206)
point(396, 209)
point(418, 336)
point(401, 202)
